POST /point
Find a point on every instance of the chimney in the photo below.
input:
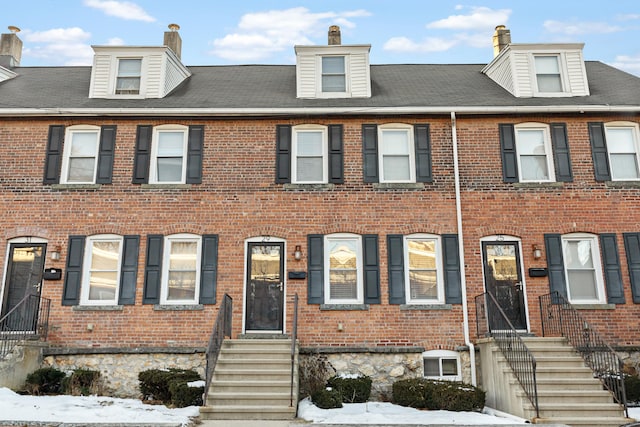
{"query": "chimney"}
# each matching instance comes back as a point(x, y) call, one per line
point(334, 35)
point(10, 48)
point(172, 39)
point(501, 39)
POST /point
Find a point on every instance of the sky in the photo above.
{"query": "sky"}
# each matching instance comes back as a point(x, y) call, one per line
point(61, 32)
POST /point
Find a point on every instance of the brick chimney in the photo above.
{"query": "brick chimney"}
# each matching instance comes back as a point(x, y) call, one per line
point(334, 35)
point(172, 39)
point(10, 48)
point(501, 39)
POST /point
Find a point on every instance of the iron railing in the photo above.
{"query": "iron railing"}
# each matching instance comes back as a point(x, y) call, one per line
point(492, 321)
point(294, 338)
point(221, 329)
point(560, 318)
point(29, 319)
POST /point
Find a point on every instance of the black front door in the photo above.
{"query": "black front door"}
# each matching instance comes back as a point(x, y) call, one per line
point(265, 287)
point(503, 279)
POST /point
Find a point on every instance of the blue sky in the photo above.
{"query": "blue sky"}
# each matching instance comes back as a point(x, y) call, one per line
point(61, 32)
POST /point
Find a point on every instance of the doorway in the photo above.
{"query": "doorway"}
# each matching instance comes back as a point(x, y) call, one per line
point(264, 295)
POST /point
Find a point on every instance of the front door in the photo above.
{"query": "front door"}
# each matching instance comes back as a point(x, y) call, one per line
point(265, 287)
point(24, 277)
point(503, 279)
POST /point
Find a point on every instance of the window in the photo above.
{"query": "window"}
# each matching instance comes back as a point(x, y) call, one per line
point(583, 272)
point(535, 159)
point(129, 75)
point(334, 74)
point(396, 153)
point(181, 266)
point(168, 163)
point(423, 273)
point(80, 155)
point(442, 365)
point(101, 277)
point(309, 154)
point(622, 146)
point(548, 76)
point(343, 271)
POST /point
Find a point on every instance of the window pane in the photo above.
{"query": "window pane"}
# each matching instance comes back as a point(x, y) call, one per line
point(333, 65)
point(624, 166)
point(343, 274)
point(422, 254)
point(105, 255)
point(577, 254)
point(395, 142)
point(183, 256)
point(549, 83)
point(620, 140)
point(342, 254)
point(333, 84)
point(582, 285)
point(129, 67)
point(81, 170)
point(170, 144)
point(534, 168)
point(309, 143)
point(169, 169)
point(531, 141)
point(423, 284)
point(102, 285)
point(309, 169)
point(449, 367)
point(396, 168)
point(431, 367)
point(130, 85)
point(182, 285)
point(547, 65)
point(84, 144)
point(343, 284)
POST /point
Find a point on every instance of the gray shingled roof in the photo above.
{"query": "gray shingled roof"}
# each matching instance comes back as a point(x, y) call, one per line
point(274, 86)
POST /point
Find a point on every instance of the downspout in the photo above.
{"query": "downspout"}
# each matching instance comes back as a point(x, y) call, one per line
point(463, 280)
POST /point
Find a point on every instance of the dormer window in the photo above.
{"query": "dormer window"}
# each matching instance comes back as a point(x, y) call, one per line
point(548, 76)
point(129, 76)
point(333, 74)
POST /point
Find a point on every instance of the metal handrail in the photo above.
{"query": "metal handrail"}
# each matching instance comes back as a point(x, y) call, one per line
point(221, 329)
point(294, 337)
point(520, 359)
point(27, 319)
point(560, 318)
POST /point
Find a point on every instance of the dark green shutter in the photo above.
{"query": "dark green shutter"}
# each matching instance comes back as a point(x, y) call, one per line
point(370, 153)
point(283, 154)
point(599, 152)
point(105, 154)
point(611, 267)
point(452, 271)
point(632, 249)
point(142, 157)
point(129, 270)
point(395, 264)
point(509, 154)
point(209, 267)
point(53, 159)
point(73, 273)
point(153, 269)
point(555, 264)
point(561, 155)
point(315, 279)
point(336, 158)
point(371, 269)
point(194, 154)
point(423, 153)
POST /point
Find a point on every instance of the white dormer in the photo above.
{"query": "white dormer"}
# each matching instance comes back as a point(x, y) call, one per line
point(6, 74)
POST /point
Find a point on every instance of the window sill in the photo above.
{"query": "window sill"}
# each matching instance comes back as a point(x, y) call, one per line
point(165, 186)
point(98, 307)
point(622, 184)
point(178, 307)
point(306, 187)
point(354, 307)
point(426, 306)
point(62, 187)
point(593, 306)
point(526, 185)
point(398, 186)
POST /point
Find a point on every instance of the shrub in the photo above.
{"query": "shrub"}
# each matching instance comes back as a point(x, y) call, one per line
point(82, 382)
point(314, 370)
point(182, 394)
point(632, 387)
point(327, 398)
point(155, 384)
point(352, 389)
point(45, 381)
point(432, 394)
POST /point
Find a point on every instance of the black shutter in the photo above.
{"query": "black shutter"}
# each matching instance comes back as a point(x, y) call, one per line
point(209, 267)
point(336, 158)
point(509, 155)
point(105, 154)
point(143, 155)
point(53, 159)
point(395, 264)
point(599, 152)
point(632, 249)
point(371, 269)
point(194, 154)
point(129, 270)
point(73, 273)
point(452, 272)
point(611, 267)
point(555, 263)
point(283, 154)
point(315, 281)
point(153, 269)
point(370, 153)
point(423, 153)
point(561, 156)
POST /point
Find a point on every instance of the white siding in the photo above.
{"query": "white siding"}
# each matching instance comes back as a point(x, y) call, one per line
point(523, 84)
point(153, 76)
point(101, 76)
point(306, 76)
point(359, 74)
point(174, 74)
point(500, 72)
point(576, 74)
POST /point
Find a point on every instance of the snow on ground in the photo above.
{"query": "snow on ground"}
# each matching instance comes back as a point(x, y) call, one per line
point(634, 413)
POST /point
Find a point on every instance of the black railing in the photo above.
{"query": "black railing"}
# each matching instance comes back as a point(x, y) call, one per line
point(29, 319)
point(560, 318)
point(491, 321)
point(294, 338)
point(221, 329)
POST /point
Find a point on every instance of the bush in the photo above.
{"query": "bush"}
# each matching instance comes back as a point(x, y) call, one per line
point(353, 390)
point(82, 382)
point(156, 384)
point(432, 394)
point(45, 381)
point(184, 395)
point(314, 370)
point(327, 399)
point(632, 387)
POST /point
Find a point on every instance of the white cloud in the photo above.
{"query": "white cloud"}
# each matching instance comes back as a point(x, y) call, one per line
point(630, 64)
point(430, 44)
point(479, 18)
point(578, 28)
point(121, 9)
point(115, 41)
point(58, 35)
point(59, 46)
point(628, 17)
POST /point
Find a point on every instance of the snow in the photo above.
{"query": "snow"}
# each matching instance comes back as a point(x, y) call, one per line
point(199, 383)
point(634, 413)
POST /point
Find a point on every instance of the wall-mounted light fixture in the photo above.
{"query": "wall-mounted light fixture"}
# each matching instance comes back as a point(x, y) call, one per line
point(55, 254)
point(537, 252)
point(297, 254)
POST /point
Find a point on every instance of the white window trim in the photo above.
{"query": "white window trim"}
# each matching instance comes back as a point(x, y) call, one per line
point(347, 78)
point(359, 272)
point(547, 147)
point(439, 269)
point(86, 269)
point(325, 151)
point(412, 151)
point(636, 145)
point(443, 354)
point(153, 167)
point(564, 79)
point(66, 152)
point(597, 265)
point(113, 81)
point(164, 292)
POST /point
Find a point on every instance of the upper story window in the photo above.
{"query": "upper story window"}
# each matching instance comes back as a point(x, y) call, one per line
point(181, 267)
point(80, 155)
point(309, 154)
point(334, 75)
point(442, 365)
point(622, 147)
point(168, 156)
point(129, 76)
point(101, 275)
point(583, 271)
point(396, 153)
point(423, 269)
point(548, 74)
point(343, 269)
point(535, 159)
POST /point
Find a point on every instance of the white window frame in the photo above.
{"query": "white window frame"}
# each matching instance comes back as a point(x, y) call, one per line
point(164, 291)
point(359, 269)
point(636, 145)
point(597, 267)
point(117, 76)
point(86, 269)
point(347, 78)
point(547, 147)
point(561, 58)
point(153, 167)
point(296, 130)
point(66, 152)
point(441, 355)
point(440, 299)
point(412, 152)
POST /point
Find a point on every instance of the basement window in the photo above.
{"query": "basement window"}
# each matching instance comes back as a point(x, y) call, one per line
point(442, 365)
